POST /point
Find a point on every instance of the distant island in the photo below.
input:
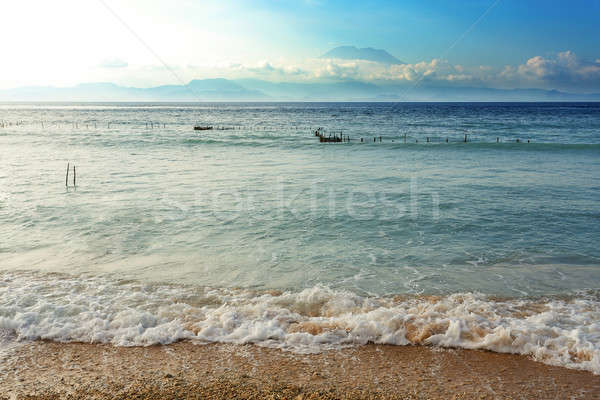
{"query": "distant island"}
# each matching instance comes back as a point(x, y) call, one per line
point(262, 90)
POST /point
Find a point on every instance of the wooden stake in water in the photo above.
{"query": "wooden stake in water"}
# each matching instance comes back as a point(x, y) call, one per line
point(74, 176)
point(67, 178)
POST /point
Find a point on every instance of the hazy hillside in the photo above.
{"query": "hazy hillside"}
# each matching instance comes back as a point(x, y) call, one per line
point(196, 90)
point(260, 90)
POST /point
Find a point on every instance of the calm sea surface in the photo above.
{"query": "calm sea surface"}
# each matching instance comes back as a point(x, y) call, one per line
point(260, 205)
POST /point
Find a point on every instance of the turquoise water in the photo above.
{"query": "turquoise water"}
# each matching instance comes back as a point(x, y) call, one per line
point(263, 205)
point(266, 205)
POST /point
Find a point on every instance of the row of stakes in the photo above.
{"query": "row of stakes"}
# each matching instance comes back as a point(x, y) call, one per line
point(148, 125)
point(323, 138)
point(75, 125)
point(320, 132)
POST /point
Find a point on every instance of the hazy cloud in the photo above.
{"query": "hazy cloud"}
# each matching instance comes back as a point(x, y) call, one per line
point(114, 63)
point(267, 68)
point(562, 70)
point(434, 70)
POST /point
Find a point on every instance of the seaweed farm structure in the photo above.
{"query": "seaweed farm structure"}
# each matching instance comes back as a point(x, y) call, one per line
point(331, 137)
point(324, 135)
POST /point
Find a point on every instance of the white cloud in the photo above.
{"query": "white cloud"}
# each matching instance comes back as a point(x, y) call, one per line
point(114, 63)
point(435, 70)
point(269, 69)
point(562, 70)
point(336, 69)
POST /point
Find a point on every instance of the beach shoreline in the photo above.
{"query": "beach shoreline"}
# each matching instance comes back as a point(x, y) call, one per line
point(51, 370)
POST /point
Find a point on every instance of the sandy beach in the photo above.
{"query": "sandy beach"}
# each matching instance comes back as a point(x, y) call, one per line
point(48, 370)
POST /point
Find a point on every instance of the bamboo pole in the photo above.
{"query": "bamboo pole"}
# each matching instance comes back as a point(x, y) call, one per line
point(74, 176)
point(67, 178)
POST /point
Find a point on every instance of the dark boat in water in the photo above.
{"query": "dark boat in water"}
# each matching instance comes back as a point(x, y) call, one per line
point(203, 128)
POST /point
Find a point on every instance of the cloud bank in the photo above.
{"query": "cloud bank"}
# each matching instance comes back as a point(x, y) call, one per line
point(564, 70)
point(561, 71)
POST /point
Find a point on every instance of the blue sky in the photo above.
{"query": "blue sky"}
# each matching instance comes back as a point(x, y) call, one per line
point(534, 43)
point(511, 32)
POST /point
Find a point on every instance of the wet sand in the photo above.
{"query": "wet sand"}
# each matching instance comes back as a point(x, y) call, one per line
point(47, 370)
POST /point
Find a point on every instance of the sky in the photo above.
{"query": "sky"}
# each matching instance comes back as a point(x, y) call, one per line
point(491, 43)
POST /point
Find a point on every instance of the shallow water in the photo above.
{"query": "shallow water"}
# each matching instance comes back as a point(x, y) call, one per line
point(263, 205)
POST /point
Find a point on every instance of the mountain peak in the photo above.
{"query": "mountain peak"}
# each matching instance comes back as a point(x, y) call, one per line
point(367, 53)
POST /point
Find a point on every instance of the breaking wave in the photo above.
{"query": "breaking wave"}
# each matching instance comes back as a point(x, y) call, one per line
point(561, 331)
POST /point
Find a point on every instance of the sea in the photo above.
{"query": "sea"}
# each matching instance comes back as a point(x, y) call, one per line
point(462, 225)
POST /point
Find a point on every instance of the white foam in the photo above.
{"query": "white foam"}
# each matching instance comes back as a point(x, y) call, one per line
point(62, 308)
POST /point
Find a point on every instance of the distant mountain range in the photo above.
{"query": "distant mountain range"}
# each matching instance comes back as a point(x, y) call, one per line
point(368, 53)
point(196, 90)
point(260, 90)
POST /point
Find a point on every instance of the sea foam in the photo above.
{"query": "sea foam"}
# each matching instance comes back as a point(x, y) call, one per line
point(99, 309)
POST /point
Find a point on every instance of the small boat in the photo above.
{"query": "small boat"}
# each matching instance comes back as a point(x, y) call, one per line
point(202, 128)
